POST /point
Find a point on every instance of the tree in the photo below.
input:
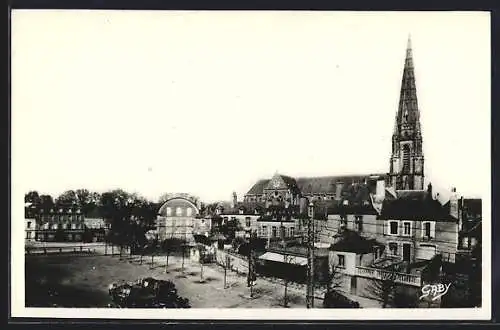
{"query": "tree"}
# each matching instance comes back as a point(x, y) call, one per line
point(384, 289)
point(86, 200)
point(334, 279)
point(33, 198)
point(115, 209)
point(46, 203)
point(68, 197)
point(230, 228)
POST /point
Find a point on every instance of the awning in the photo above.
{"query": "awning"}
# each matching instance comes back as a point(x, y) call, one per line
point(278, 257)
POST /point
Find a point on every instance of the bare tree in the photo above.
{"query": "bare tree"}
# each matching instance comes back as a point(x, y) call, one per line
point(334, 280)
point(384, 289)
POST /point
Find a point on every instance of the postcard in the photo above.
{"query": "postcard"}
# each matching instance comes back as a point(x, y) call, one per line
point(250, 165)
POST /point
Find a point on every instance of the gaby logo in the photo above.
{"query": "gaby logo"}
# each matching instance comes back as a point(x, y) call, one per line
point(435, 290)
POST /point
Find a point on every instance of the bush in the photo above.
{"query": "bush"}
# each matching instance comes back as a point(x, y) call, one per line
point(334, 299)
point(237, 242)
point(172, 244)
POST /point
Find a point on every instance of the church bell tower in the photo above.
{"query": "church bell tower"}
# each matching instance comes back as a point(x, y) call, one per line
point(407, 160)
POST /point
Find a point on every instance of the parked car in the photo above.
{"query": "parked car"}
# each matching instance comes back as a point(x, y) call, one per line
point(147, 293)
point(334, 299)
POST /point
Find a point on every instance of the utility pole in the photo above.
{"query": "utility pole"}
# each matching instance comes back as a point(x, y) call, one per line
point(251, 264)
point(310, 257)
point(184, 247)
point(226, 265)
point(285, 256)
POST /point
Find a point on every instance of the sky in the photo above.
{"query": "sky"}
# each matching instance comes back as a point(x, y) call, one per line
point(207, 103)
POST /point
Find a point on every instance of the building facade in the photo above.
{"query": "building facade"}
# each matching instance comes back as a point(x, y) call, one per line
point(60, 224)
point(177, 218)
point(30, 229)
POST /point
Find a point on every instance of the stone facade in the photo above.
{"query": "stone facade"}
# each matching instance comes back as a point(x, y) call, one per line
point(62, 224)
point(176, 219)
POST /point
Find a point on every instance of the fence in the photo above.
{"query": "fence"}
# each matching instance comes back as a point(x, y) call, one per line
point(76, 249)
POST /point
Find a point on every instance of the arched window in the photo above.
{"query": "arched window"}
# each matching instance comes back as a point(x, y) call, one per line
point(169, 211)
point(406, 158)
point(189, 211)
point(178, 211)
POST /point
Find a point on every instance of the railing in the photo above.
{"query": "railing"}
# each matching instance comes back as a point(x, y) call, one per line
point(78, 249)
point(60, 249)
point(380, 274)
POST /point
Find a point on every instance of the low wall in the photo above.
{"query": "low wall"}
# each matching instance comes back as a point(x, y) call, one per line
point(236, 262)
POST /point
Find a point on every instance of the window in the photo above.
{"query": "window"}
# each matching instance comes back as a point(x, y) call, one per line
point(341, 261)
point(292, 231)
point(407, 228)
point(393, 248)
point(428, 229)
point(189, 211)
point(343, 222)
point(393, 227)
point(247, 222)
point(169, 211)
point(28, 225)
point(178, 211)
point(274, 231)
point(73, 226)
point(359, 223)
point(54, 226)
point(406, 158)
point(264, 231)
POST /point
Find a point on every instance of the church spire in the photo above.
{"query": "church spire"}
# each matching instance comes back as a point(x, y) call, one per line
point(406, 168)
point(408, 113)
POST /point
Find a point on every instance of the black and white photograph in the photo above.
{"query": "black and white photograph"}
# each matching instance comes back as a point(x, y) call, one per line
point(250, 165)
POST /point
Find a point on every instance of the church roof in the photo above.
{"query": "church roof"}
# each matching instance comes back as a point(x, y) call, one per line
point(317, 185)
point(258, 187)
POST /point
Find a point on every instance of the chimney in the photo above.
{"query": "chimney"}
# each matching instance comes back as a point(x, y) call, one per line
point(303, 205)
point(454, 203)
point(338, 190)
point(380, 192)
point(235, 199)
